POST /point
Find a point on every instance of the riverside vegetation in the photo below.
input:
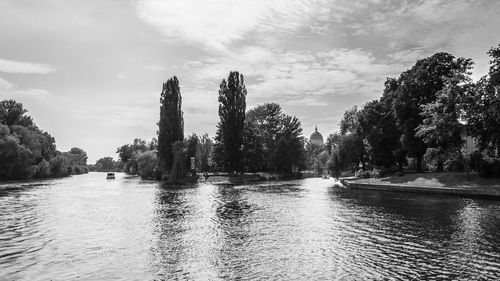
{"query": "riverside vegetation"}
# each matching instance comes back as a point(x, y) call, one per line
point(419, 123)
point(28, 152)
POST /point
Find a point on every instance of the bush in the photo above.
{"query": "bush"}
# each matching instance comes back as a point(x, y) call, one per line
point(362, 174)
point(147, 163)
point(376, 173)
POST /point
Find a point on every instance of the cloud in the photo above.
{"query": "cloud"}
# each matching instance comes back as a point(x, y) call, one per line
point(155, 67)
point(11, 66)
point(217, 24)
point(296, 76)
point(5, 85)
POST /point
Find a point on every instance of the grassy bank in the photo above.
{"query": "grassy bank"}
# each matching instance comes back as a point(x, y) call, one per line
point(457, 180)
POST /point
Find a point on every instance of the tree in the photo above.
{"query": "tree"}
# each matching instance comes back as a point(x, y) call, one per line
point(352, 142)
point(26, 151)
point(125, 152)
point(310, 153)
point(483, 107)
point(417, 87)
point(253, 150)
point(171, 124)
point(147, 163)
point(265, 121)
point(105, 164)
point(229, 138)
point(205, 152)
point(381, 136)
point(441, 128)
point(13, 113)
point(290, 145)
point(192, 150)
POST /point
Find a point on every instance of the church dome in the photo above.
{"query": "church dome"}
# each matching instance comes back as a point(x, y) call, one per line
point(316, 138)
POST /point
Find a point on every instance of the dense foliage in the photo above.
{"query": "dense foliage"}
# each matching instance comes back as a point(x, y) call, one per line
point(424, 116)
point(171, 124)
point(229, 138)
point(28, 152)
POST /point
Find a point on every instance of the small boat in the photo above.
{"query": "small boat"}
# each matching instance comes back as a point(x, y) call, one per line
point(110, 176)
point(325, 176)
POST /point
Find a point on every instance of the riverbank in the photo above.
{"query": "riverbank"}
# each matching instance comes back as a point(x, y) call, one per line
point(245, 178)
point(432, 183)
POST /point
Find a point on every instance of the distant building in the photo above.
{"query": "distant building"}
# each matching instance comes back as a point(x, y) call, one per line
point(316, 138)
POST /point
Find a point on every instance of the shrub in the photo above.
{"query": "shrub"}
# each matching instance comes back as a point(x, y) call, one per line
point(147, 163)
point(376, 173)
point(362, 174)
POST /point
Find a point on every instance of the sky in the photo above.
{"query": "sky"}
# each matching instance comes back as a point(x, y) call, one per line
point(90, 72)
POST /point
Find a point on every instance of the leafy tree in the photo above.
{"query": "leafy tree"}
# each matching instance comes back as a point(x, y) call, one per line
point(352, 141)
point(192, 150)
point(417, 87)
point(265, 121)
point(311, 152)
point(26, 151)
point(42, 169)
point(229, 138)
point(147, 163)
point(381, 136)
point(205, 152)
point(290, 145)
point(253, 150)
point(13, 113)
point(441, 128)
point(125, 152)
point(483, 107)
point(105, 164)
point(171, 124)
point(59, 166)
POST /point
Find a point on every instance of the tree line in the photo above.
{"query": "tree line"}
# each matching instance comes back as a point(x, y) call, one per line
point(28, 152)
point(422, 119)
point(260, 139)
point(419, 123)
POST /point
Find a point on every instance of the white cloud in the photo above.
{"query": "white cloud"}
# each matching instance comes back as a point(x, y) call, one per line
point(217, 24)
point(5, 85)
point(295, 76)
point(11, 66)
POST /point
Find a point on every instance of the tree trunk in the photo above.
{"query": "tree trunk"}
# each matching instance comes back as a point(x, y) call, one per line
point(440, 166)
point(419, 163)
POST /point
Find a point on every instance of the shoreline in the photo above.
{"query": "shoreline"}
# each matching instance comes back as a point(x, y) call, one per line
point(433, 183)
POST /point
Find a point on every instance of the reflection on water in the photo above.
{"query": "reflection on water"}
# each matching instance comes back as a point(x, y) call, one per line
point(89, 228)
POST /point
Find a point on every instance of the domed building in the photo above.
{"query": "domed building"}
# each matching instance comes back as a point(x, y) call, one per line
point(316, 138)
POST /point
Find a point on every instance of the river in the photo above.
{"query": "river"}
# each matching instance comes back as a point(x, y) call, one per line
point(89, 228)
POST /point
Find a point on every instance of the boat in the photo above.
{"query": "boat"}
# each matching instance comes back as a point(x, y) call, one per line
point(325, 176)
point(110, 176)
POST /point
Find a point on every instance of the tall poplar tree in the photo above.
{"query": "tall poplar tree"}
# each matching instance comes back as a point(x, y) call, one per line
point(171, 125)
point(229, 138)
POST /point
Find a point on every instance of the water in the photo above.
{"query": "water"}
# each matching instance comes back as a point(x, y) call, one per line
point(89, 228)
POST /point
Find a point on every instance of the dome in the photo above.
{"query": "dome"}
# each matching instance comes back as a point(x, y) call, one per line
point(316, 138)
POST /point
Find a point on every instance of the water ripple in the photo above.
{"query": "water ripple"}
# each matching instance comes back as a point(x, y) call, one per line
point(88, 228)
